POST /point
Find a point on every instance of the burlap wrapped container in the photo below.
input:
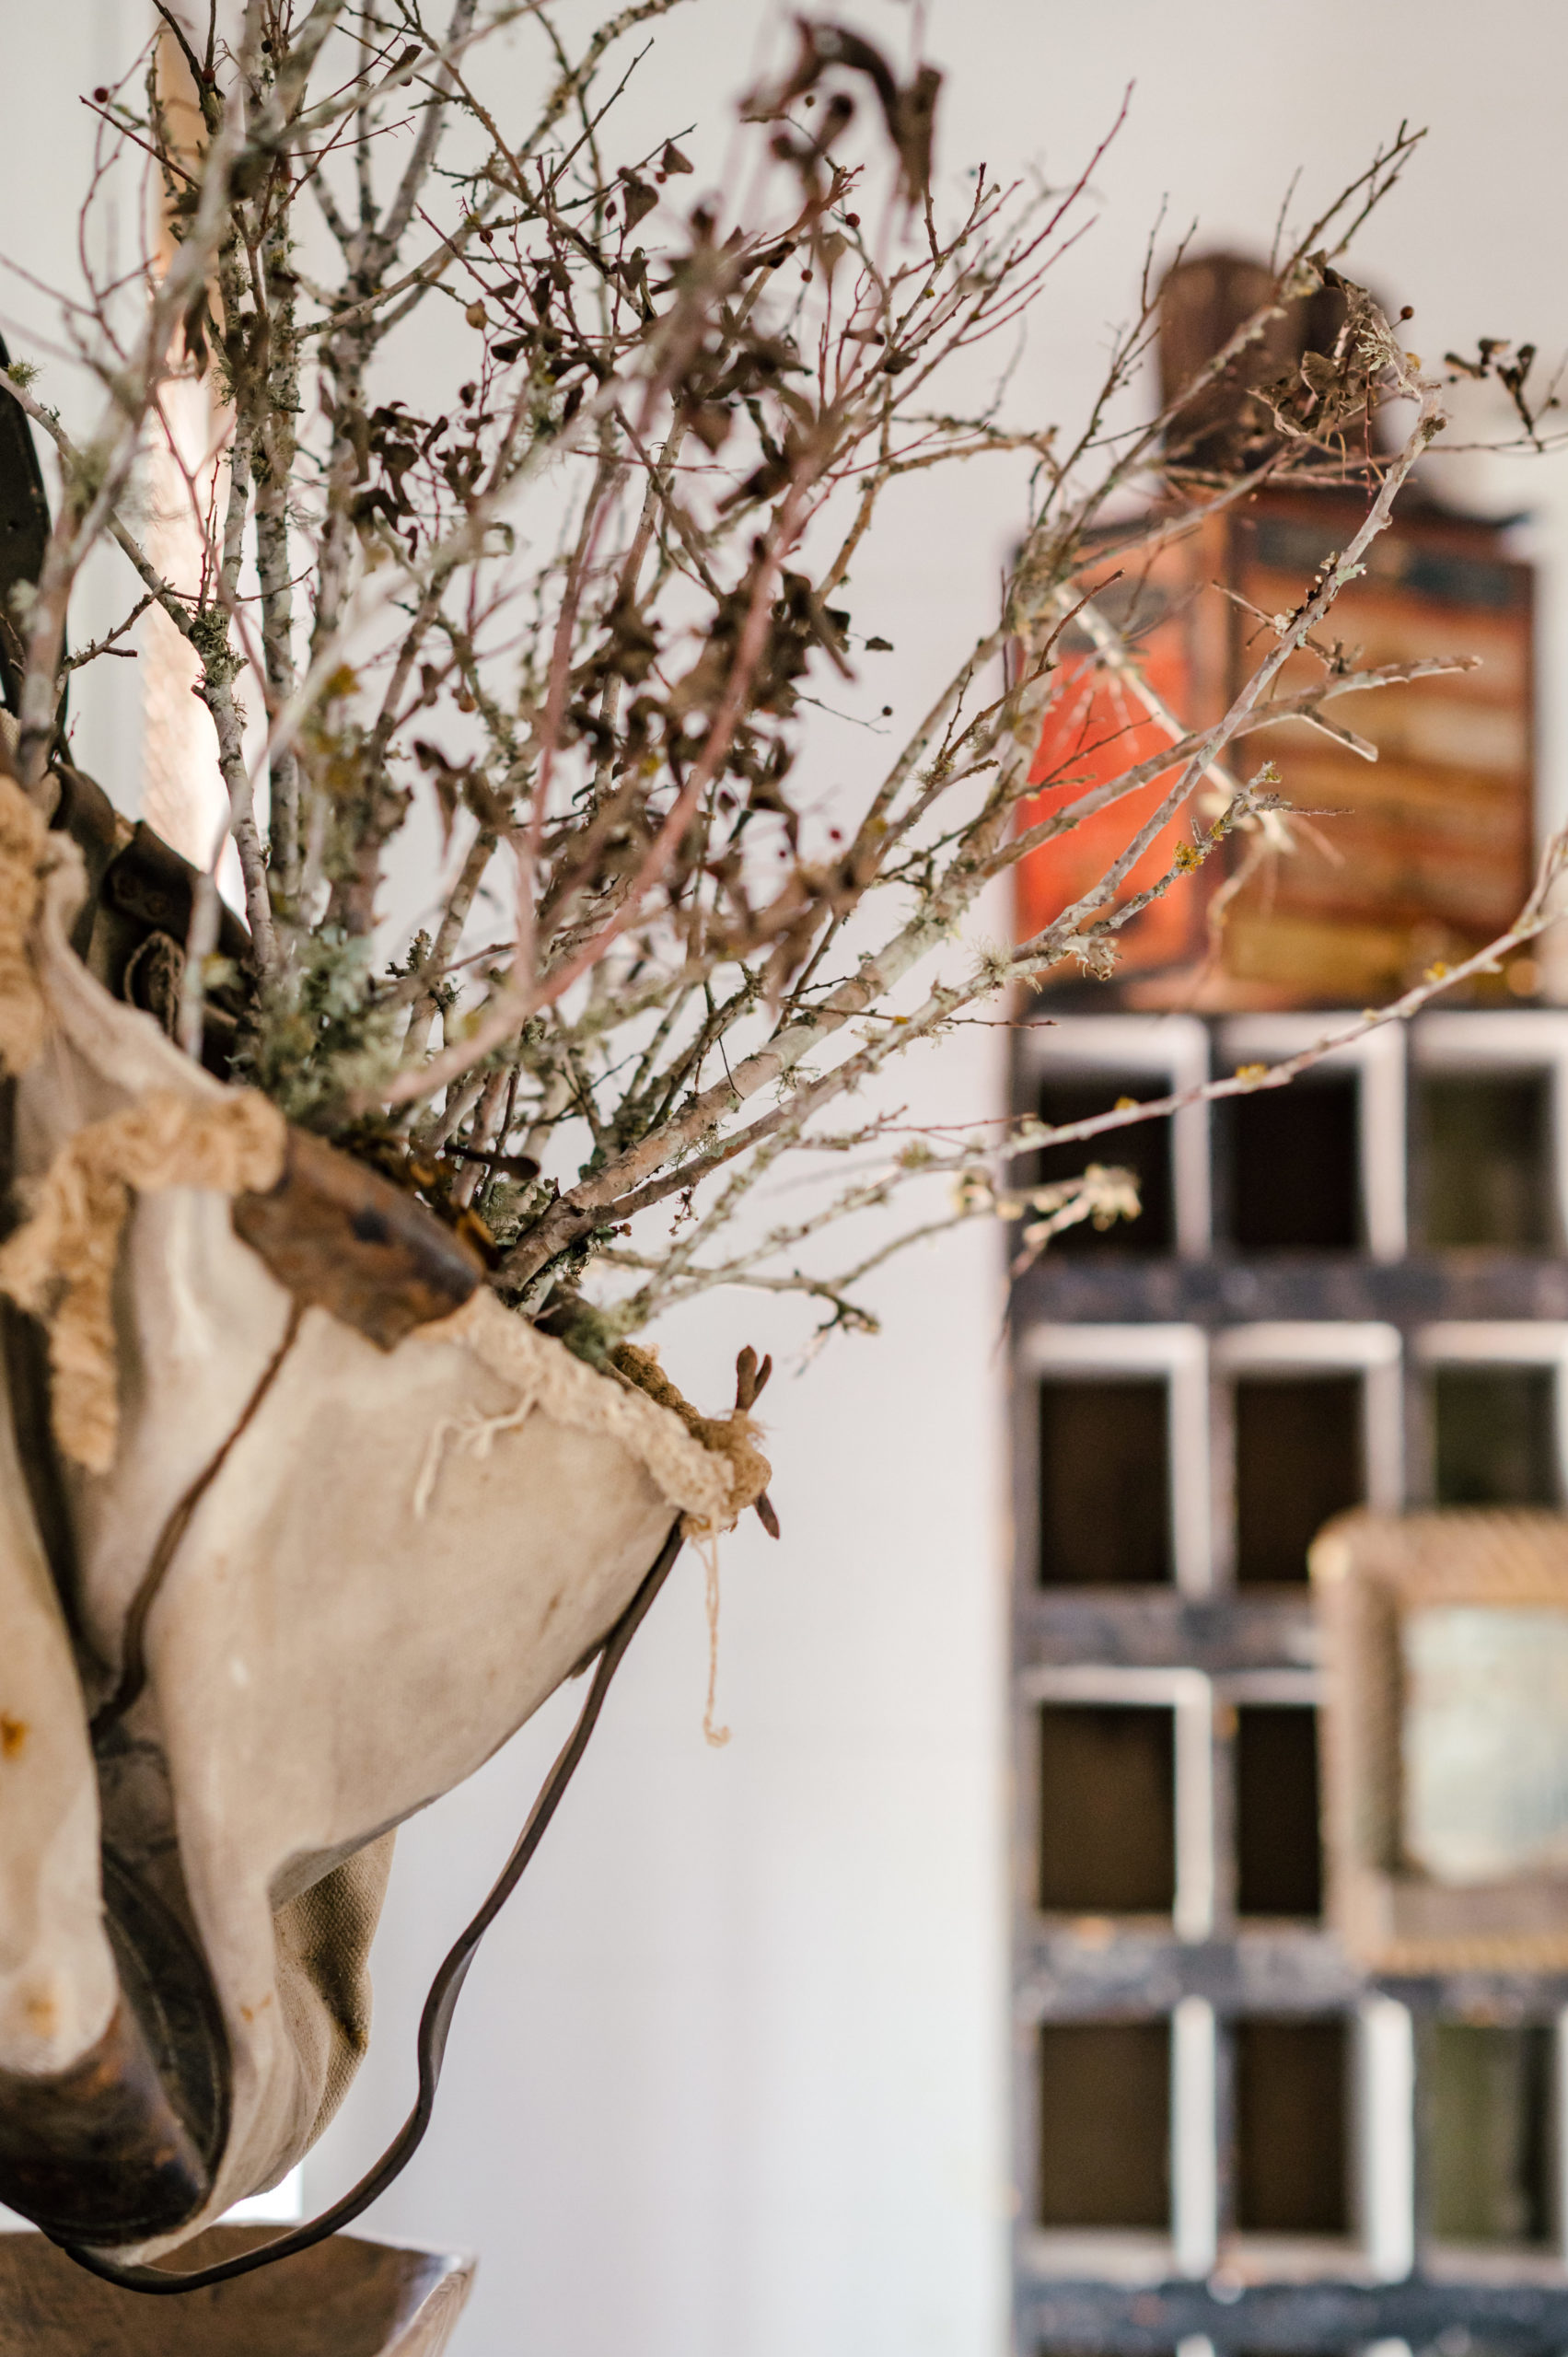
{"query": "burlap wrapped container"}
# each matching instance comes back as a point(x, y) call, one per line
point(326, 1523)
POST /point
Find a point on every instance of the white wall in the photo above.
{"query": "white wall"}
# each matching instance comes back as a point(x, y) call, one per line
point(47, 59)
point(729, 2078)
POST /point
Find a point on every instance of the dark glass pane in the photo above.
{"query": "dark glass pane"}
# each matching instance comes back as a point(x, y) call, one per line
point(1485, 1162)
point(1295, 1181)
point(1290, 2127)
point(1105, 2124)
point(1494, 1438)
point(1104, 1483)
point(1486, 2112)
point(1107, 1810)
point(1145, 1149)
point(1298, 1460)
point(1279, 1850)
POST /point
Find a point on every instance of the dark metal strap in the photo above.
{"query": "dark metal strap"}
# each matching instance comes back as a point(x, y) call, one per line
point(133, 1675)
point(436, 2021)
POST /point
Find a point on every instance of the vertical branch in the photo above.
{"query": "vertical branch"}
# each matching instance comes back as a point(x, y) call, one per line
point(220, 665)
point(443, 949)
point(273, 463)
point(91, 491)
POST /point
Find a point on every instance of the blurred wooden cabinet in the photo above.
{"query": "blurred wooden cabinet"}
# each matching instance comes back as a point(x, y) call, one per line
point(1235, 2127)
point(1236, 2131)
point(1421, 855)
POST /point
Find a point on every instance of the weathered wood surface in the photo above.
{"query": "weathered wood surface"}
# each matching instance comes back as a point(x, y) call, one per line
point(1127, 2320)
point(1085, 1972)
point(1161, 1629)
point(346, 2298)
point(339, 1234)
point(1079, 1971)
point(1132, 1288)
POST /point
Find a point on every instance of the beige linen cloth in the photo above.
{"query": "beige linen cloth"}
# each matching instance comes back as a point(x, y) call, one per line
point(397, 1555)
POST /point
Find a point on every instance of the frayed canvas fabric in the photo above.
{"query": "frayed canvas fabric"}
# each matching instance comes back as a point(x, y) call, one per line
point(317, 1581)
point(60, 1264)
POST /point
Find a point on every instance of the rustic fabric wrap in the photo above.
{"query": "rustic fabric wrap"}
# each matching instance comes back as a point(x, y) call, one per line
point(58, 1984)
point(61, 1265)
point(318, 1582)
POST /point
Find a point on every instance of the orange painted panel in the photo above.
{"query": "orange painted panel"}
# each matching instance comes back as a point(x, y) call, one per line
point(1095, 729)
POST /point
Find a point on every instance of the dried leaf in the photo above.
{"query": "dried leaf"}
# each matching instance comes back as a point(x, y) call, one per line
point(638, 198)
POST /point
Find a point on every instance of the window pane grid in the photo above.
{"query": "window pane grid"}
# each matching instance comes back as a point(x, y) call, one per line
point(1426, 1411)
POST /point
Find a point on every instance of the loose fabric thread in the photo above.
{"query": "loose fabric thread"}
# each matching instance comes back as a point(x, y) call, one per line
point(718, 1736)
point(471, 1433)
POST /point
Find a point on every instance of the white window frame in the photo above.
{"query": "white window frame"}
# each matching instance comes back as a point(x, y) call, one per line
point(1378, 1062)
point(1505, 1341)
point(1319, 1346)
point(1180, 1354)
point(1385, 2134)
point(1169, 1048)
point(1188, 1694)
point(1505, 1042)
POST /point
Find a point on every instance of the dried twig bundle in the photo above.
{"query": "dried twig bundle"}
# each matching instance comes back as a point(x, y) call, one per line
point(534, 659)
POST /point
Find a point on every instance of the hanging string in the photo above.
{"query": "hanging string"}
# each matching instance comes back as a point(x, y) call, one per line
point(718, 1736)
